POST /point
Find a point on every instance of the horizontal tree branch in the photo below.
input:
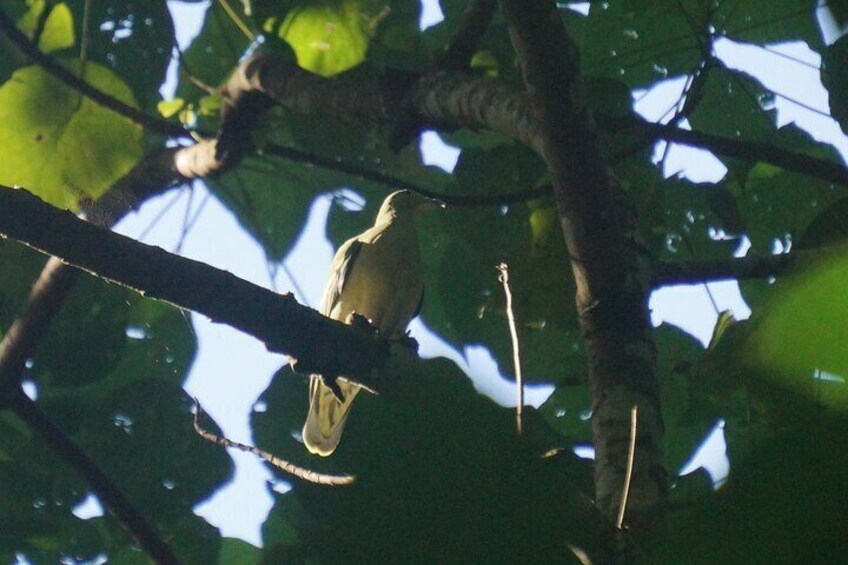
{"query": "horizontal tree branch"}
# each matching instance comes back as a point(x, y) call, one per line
point(450, 100)
point(319, 344)
point(750, 150)
point(738, 268)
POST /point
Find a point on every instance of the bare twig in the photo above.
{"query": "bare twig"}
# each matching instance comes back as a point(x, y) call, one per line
point(283, 465)
point(628, 477)
point(461, 200)
point(108, 493)
point(516, 353)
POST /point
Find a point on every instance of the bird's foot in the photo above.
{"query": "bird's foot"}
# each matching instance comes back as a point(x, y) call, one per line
point(406, 340)
point(359, 321)
point(333, 384)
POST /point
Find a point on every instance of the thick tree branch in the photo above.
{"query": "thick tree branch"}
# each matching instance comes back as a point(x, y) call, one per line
point(150, 177)
point(441, 99)
point(46, 297)
point(319, 344)
point(450, 100)
point(610, 270)
point(108, 493)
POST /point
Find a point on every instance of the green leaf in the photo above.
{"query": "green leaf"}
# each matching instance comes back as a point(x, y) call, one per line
point(60, 145)
point(732, 104)
point(132, 38)
point(436, 464)
point(833, 75)
point(58, 32)
point(270, 201)
point(234, 550)
point(330, 37)
point(686, 423)
point(781, 505)
point(640, 42)
point(645, 41)
point(765, 21)
point(777, 205)
point(168, 108)
point(213, 54)
point(802, 331)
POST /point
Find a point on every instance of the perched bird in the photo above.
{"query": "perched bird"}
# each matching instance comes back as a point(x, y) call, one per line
point(377, 275)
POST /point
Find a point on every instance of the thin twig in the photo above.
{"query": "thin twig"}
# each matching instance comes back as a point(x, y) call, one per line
point(516, 354)
point(291, 468)
point(107, 492)
point(754, 151)
point(628, 476)
point(732, 268)
point(236, 20)
point(461, 200)
point(85, 37)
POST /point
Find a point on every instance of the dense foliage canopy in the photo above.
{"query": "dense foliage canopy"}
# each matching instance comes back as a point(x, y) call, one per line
point(335, 97)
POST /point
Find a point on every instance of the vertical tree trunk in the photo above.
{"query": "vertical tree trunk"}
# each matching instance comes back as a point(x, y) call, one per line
point(609, 264)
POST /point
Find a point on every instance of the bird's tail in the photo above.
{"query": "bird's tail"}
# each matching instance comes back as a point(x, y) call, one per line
point(327, 415)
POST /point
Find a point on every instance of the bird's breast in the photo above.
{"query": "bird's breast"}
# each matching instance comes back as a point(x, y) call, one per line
point(385, 283)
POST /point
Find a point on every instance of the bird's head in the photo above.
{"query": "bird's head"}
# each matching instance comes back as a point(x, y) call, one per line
point(407, 203)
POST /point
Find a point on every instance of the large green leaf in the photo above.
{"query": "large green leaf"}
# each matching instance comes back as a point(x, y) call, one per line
point(801, 331)
point(331, 37)
point(108, 373)
point(133, 38)
point(436, 464)
point(641, 42)
point(214, 53)
point(731, 104)
point(644, 41)
point(59, 144)
point(58, 27)
point(783, 506)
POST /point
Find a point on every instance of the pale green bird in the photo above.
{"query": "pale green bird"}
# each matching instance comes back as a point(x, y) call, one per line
point(376, 274)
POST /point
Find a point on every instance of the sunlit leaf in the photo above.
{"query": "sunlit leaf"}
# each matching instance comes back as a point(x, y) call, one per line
point(58, 30)
point(802, 332)
point(61, 145)
point(331, 37)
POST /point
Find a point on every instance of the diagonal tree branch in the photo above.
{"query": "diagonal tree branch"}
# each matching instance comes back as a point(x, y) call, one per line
point(734, 268)
point(108, 493)
point(46, 297)
point(319, 345)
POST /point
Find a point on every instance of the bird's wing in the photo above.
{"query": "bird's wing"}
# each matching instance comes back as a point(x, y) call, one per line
point(340, 270)
point(327, 412)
